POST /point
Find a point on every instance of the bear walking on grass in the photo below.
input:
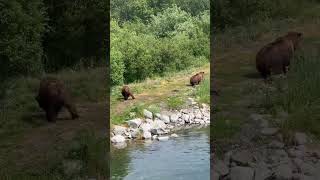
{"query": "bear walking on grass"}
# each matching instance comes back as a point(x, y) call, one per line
point(126, 93)
point(197, 78)
point(275, 57)
point(52, 96)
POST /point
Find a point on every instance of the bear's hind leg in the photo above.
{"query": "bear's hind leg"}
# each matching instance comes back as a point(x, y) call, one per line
point(51, 114)
point(72, 110)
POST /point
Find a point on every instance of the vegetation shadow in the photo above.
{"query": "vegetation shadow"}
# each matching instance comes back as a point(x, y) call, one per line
point(252, 75)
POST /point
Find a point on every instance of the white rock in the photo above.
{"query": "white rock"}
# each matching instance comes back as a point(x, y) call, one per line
point(174, 118)
point(118, 139)
point(119, 130)
point(198, 115)
point(159, 131)
point(186, 117)
point(165, 118)
point(154, 137)
point(174, 135)
point(146, 135)
point(158, 115)
point(145, 127)
point(157, 124)
point(134, 123)
point(147, 114)
point(120, 145)
point(163, 138)
point(149, 121)
point(135, 133)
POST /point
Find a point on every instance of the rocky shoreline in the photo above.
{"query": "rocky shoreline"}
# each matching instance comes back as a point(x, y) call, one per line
point(161, 126)
point(273, 158)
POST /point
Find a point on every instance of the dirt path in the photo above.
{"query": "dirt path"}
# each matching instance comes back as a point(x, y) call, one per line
point(153, 91)
point(37, 145)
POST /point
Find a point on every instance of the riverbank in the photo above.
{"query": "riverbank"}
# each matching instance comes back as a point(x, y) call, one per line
point(161, 126)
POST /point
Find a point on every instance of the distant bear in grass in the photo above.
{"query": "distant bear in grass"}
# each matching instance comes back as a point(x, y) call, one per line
point(52, 96)
point(275, 57)
point(197, 78)
point(126, 93)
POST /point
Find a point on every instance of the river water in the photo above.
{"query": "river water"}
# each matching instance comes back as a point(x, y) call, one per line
point(183, 158)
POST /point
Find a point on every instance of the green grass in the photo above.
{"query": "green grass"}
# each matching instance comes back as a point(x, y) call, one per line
point(298, 94)
point(18, 105)
point(202, 93)
point(175, 102)
point(86, 147)
point(302, 98)
point(156, 93)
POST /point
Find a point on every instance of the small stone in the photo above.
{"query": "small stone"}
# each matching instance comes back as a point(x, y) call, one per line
point(276, 145)
point(262, 172)
point(120, 145)
point(165, 119)
point(221, 168)
point(163, 138)
point(146, 135)
point(157, 124)
point(300, 138)
point(149, 121)
point(154, 137)
point(147, 114)
point(119, 130)
point(241, 173)
point(118, 139)
point(174, 118)
point(145, 127)
point(134, 123)
point(174, 135)
point(186, 117)
point(135, 133)
point(269, 131)
point(242, 158)
point(283, 172)
point(158, 115)
point(307, 169)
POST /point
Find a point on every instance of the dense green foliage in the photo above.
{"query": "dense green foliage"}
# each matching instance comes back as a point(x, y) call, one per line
point(152, 37)
point(228, 13)
point(38, 36)
point(22, 25)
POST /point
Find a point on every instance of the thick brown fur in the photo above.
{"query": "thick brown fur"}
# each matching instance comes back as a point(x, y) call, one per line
point(52, 96)
point(275, 57)
point(197, 78)
point(126, 93)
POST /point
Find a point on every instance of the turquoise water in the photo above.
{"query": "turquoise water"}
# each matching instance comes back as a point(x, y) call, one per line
point(184, 158)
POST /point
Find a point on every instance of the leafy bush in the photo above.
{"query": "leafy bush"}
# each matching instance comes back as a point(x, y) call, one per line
point(172, 40)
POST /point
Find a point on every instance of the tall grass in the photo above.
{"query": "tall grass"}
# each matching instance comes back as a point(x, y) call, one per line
point(302, 98)
point(87, 147)
point(203, 91)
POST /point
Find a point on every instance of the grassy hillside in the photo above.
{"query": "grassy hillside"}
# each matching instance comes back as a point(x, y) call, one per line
point(167, 92)
point(293, 100)
point(32, 148)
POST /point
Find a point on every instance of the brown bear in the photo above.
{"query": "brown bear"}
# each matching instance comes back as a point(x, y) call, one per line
point(52, 96)
point(275, 57)
point(126, 93)
point(196, 79)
